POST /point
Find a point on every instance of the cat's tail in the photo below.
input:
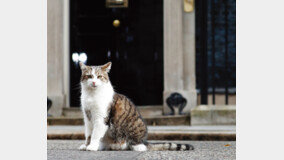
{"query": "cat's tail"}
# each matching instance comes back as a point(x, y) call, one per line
point(169, 146)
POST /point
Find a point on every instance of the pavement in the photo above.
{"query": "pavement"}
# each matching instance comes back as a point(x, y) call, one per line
point(211, 150)
point(156, 132)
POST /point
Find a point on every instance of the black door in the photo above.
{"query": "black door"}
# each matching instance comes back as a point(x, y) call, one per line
point(135, 47)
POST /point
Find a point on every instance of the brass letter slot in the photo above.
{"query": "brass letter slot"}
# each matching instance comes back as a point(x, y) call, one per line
point(188, 5)
point(116, 3)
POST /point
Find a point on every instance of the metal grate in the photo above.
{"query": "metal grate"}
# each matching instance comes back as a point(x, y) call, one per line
point(215, 48)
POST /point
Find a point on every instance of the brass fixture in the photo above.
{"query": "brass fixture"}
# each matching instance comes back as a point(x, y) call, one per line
point(188, 5)
point(117, 3)
point(116, 23)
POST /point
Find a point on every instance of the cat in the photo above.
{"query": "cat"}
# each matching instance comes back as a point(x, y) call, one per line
point(112, 121)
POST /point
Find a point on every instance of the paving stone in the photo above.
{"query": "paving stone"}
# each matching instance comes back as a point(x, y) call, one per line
point(204, 150)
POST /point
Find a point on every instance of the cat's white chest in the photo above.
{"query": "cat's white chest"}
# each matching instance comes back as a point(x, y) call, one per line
point(97, 101)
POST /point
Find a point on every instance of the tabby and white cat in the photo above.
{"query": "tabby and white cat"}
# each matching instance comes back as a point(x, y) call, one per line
point(111, 119)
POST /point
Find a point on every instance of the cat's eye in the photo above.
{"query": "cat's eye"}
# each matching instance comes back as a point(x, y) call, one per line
point(100, 76)
point(88, 76)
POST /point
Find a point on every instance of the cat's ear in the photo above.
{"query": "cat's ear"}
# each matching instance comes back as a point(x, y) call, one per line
point(106, 67)
point(82, 65)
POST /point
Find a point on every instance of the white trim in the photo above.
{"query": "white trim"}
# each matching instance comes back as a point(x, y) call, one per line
point(66, 68)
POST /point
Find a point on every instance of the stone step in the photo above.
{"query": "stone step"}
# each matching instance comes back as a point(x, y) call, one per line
point(224, 133)
point(213, 115)
point(145, 111)
point(72, 112)
point(153, 121)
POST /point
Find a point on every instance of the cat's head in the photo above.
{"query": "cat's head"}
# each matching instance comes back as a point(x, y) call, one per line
point(95, 76)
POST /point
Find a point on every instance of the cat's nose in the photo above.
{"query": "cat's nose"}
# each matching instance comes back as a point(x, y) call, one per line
point(94, 83)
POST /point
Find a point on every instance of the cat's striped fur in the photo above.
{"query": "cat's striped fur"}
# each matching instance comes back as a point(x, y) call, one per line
point(125, 122)
point(125, 128)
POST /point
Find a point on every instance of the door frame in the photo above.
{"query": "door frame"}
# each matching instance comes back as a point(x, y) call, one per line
point(177, 24)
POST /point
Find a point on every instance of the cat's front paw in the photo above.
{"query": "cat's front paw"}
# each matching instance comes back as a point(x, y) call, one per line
point(82, 147)
point(92, 147)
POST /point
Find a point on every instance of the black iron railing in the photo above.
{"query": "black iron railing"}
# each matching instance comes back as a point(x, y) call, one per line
point(215, 48)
